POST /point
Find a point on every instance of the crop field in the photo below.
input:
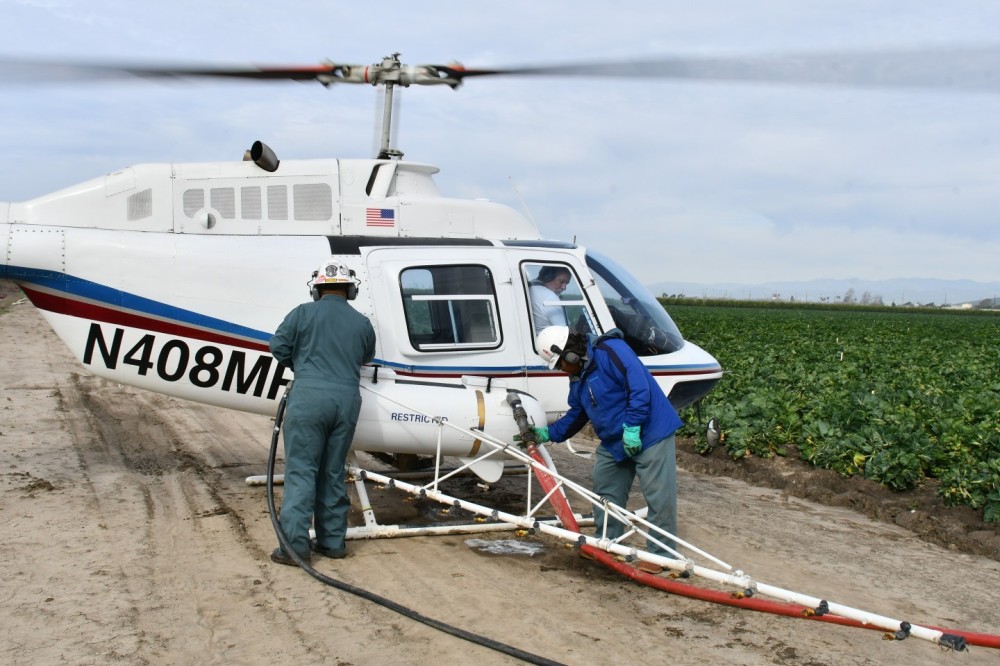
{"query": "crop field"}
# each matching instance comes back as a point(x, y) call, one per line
point(899, 397)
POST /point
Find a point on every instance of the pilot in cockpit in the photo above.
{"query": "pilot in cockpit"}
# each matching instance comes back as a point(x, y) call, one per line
point(546, 309)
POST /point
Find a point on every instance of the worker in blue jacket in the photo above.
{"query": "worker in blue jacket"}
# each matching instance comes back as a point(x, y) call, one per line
point(613, 390)
point(324, 343)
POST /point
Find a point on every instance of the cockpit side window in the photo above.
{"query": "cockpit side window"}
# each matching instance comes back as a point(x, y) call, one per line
point(648, 328)
point(450, 308)
point(555, 297)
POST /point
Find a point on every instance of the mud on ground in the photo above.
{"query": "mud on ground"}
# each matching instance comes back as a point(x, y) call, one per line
point(921, 510)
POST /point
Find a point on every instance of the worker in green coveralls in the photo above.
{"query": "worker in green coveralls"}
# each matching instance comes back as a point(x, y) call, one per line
point(324, 343)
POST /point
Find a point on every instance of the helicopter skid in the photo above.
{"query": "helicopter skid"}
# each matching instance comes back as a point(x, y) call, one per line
point(487, 519)
point(372, 529)
point(378, 531)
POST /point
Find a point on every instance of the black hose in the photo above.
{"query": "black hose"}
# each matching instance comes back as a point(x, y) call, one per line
point(365, 594)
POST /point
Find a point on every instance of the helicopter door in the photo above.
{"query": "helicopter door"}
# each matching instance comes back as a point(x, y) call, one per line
point(555, 290)
point(453, 312)
point(447, 325)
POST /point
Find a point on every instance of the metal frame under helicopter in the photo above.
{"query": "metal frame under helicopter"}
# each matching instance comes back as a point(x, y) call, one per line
point(619, 553)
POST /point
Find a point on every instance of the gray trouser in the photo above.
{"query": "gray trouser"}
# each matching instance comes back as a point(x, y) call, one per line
point(656, 467)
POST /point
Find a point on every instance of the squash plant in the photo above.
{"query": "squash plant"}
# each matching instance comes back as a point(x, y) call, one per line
point(894, 395)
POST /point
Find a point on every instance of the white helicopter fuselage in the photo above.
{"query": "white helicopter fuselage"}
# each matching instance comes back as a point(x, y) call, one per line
point(172, 278)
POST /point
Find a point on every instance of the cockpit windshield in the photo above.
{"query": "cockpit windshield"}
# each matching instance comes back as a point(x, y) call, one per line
point(648, 328)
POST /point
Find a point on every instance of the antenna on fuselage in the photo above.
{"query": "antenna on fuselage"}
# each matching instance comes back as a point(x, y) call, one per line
point(521, 199)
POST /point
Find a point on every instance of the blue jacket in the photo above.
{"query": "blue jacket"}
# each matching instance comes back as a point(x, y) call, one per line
point(614, 390)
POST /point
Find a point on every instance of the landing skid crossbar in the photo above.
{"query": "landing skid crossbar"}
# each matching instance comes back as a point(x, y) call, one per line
point(486, 519)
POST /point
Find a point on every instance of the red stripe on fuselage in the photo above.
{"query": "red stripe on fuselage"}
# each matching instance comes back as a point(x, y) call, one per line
point(66, 306)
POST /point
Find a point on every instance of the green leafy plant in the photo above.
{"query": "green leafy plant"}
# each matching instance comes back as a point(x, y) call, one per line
point(895, 396)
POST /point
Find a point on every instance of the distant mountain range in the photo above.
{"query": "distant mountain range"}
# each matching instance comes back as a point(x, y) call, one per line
point(899, 291)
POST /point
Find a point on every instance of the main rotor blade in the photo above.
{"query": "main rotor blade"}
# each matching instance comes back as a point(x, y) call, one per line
point(971, 69)
point(41, 71)
point(961, 69)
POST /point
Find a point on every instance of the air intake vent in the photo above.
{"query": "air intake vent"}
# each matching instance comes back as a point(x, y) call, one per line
point(223, 199)
point(194, 200)
point(313, 202)
point(140, 205)
point(250, 203)
point(277, 202)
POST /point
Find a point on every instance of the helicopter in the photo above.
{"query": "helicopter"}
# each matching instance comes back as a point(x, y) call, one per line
point(133, 271)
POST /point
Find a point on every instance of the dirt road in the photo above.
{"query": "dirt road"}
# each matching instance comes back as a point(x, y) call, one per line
point(130, 536)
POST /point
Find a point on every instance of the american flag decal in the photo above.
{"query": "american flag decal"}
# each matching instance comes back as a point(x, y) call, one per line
point(380, 217)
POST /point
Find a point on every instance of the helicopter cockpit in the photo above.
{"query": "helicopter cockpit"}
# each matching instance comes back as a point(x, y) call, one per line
point(557, 299)
point(648, 328)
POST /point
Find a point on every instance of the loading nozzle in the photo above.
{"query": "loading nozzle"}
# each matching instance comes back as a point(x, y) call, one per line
point(528, 438)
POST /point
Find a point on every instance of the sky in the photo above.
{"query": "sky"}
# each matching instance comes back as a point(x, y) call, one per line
point(705, 182)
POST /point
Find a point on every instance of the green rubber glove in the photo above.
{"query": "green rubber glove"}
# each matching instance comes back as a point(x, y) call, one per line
point(541, 435)
point(632, 440)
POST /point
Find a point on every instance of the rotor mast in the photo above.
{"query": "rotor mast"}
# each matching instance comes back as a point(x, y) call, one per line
point(390, 64)
point(391, 73)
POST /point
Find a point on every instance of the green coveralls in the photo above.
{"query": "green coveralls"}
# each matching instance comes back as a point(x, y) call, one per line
point(324, 343)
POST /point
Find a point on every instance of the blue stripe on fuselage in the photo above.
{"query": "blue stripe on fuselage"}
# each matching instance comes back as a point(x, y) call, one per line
point(117, 299)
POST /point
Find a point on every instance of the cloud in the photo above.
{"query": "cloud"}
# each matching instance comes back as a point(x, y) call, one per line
point(719, 182)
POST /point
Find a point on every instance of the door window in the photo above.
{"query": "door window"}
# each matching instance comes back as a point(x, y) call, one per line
point(450, 307)
point(555, 298)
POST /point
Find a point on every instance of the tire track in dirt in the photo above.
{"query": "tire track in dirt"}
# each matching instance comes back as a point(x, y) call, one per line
point(183, 518)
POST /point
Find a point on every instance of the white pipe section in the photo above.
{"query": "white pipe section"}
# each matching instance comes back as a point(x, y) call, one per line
point(395, 531)
point(261, 480)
